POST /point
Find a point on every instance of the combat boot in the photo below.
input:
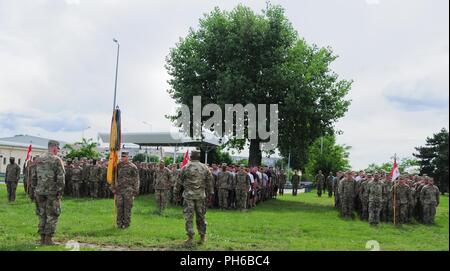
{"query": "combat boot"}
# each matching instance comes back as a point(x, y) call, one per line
point(202, 239)
point(188, 241)
point(48, 240)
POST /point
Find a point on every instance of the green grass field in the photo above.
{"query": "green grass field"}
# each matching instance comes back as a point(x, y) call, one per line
point(304, 222)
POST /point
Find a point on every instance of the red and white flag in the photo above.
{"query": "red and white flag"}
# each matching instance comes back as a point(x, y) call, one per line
point(185, 159)
point(395, 172)
point(28, 153)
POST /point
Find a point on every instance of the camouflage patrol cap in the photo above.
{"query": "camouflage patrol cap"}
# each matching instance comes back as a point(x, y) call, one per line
point(124, 154)
point(224, 164)
point(53, 143)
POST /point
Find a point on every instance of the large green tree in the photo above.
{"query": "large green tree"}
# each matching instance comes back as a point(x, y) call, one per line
point(86, 148)
point(243, 57)
point(328, 156)
point(433, 158)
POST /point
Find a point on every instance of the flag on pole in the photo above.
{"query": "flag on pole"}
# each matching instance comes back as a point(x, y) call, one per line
point(185, 159)
point(394, 172)
point(28, 153)
point(115, 140)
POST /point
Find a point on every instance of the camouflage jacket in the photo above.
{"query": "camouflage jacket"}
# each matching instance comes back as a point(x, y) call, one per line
point(429, 195)
point(346, 189)
point(295, 180)
point(224, 180)
point(76, 173)
point(49, 176)
point(242, 181)
point(363, 190)
point(94, 173)
point(320, 180)
point(375, 191)
point(195, 180)
point(12, 173)
point(127, 179)
point(163, 179)
point(402, 193)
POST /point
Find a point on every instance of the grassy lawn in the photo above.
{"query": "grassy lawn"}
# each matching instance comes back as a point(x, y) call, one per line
point(304, 222)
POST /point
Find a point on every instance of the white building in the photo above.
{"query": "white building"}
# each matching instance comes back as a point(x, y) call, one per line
point(17, 147)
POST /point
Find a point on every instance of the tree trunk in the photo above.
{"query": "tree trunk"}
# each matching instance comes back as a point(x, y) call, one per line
point(255, 154)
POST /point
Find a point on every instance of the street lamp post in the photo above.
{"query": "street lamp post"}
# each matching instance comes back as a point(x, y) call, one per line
point(117, 71)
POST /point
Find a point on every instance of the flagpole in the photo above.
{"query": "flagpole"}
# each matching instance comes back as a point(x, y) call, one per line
point(117, 71)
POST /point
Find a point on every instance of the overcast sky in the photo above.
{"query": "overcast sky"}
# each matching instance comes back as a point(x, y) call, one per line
point(57, 65)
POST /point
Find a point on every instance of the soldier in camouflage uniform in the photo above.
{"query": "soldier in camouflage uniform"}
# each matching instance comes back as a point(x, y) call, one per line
point(94, 179)
point(48, 184)
point(224, 179)
point(196, 182)
point(375, 198)
point(84, 187)
point(68, 177)
point(329, 184)
point(364, 196)
point(320, 182)
point(295, 180)
point(175, 173)
point(163, 179)
point(33, 178)
point(242, 188)
point(126, 187)
point(386, 206)
point(429, 197)
point(401, 195)
point(281, 182)
point(347, 195)
point(76, 179)
point(12, 177)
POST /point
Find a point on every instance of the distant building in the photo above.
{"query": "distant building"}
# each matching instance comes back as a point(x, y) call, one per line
point(17, 147)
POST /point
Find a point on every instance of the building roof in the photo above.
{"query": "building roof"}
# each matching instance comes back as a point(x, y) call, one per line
point(164, 139)
point(26, 140)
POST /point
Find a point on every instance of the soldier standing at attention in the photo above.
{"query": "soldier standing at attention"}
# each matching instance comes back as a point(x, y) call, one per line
point(429, 197)
point(329, 184)
point(346, 192)
point(242, 188)
point(401, 196)
point(375, 197)
point(196, 182)
point(320, 182)
point(363, 192)
point(295, 180)
point(76, 179)
point(126, 187)
point(163, 181)
point(12, 177)
point(48, 185)
point(223, 181)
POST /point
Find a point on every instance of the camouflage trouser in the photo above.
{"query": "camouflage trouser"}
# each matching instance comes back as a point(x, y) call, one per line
point(428, 211)
point(347, 207)
point(11, 187)
point(281, 190)
point(365, 209)
point(401, 213)
point(336, 200)
point(294, 189)
point(25, 186)
point(241, 199)
point(161, 196)
point(93, 189)
point(223, 198)
point(48, 209)
point(76, 189)
point(374, 212)
point(330, 191)
point(124, 204)
point(319, 190)
point(31, 192)
point(199, 208)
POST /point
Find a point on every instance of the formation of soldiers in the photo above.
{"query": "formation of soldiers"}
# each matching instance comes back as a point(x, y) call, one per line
point(376, 198)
